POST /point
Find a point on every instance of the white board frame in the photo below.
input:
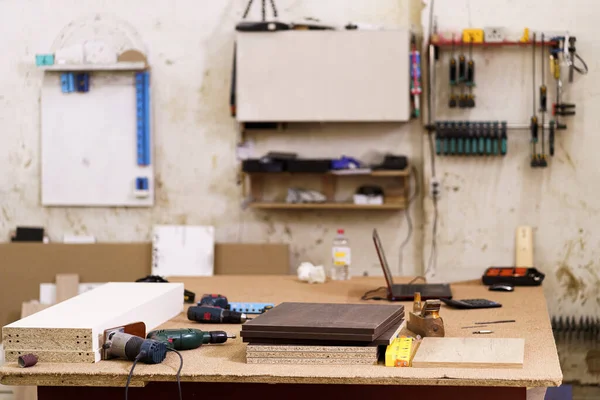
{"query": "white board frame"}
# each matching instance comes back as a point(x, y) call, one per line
point(89, 143)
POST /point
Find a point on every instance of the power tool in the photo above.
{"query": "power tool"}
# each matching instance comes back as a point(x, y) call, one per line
point(188, 339)
point(119, 344)
point(215, 315)
point(220, 301)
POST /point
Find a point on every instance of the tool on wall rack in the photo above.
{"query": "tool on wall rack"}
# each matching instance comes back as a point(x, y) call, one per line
point(470, 78)
point(543, 108)
point(453, 78)
point(534, 120)
point(462, 77)
point(469, 138)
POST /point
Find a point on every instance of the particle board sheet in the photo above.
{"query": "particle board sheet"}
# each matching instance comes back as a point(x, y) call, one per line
point(76, 324)
point(470, 353)
point(312, 361)
point(366, 320)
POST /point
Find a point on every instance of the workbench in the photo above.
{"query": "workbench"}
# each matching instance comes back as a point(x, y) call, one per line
point(221, 370)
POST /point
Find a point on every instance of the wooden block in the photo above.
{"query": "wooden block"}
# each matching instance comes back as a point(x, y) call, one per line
point(327, 318)
point(31, 307)
point(470, 353)
point(78, 323)
point(67, 286)
point(132, 56)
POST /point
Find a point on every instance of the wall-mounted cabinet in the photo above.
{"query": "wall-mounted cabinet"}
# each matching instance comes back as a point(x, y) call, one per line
point(328, 76)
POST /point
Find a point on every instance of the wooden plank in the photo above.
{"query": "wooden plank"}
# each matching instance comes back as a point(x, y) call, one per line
point(77, 324)
point(327, 318)
point(313, 75)
point(470, 353)
point(327, 206)
point(313, 361)
point(67, 286)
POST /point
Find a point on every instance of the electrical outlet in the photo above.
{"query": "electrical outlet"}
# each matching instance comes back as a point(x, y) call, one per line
point(435, 188)
point(494, 34)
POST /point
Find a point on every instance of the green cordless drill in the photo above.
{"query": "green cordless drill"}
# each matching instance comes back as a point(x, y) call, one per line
point(188, 339)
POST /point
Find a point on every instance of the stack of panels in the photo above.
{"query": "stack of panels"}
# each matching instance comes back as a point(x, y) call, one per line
point(72, 331)
point(311, 355)
point(324, 333)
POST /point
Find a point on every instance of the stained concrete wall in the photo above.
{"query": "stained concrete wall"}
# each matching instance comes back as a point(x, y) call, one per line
point(190, 44)
point(484, 200)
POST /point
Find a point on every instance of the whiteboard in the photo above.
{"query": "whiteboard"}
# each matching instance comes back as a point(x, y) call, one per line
point(89, 155)
point(289, 76)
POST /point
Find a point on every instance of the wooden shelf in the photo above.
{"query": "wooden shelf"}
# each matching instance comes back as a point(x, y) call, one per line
point(326, 206)
point(121, 66)
point(458, 43)
point(376, 173)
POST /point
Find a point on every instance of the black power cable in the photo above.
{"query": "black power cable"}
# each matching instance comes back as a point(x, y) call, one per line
point(139, 356)
point(178, 371)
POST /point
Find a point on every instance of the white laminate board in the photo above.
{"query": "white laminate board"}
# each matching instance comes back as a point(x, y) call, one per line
point(110, 305)
point(89, 143)
point(456, 352)
point(289, 76)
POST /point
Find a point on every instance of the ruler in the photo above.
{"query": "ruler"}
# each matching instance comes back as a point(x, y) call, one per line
point(399, 352)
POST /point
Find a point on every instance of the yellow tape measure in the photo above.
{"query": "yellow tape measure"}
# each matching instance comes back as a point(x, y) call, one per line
point(399, 352)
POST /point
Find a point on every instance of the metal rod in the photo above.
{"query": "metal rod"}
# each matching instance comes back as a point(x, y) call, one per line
point(431, 86)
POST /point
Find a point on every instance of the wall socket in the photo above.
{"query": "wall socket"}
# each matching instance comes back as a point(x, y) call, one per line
point(435, 188)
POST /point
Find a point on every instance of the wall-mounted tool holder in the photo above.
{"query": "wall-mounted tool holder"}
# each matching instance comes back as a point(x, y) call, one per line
point(470, 138)
point(452, 135)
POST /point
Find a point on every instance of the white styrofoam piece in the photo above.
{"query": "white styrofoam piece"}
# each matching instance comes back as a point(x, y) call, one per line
point(48, 291)
point(69, 55)
point(323, 76)
point(110, 305)
point(119, 66)
point(98, 52)
point(180, 250)
point(88, 140)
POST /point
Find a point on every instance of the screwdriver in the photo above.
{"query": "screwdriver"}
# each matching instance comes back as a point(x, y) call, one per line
point(215, 315)
point(462, 77)
point(495, 139)
point(452, 103)
point(551, 138)
point(503, 139)
point(481, 139)
point(474, 138)
point(470, 78)
point(533, 126)
point(468, 138)
point(452, 139)
point(543, 104)
point(461, 138)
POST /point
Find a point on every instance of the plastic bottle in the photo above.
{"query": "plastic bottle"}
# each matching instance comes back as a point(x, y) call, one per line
point(340, 257)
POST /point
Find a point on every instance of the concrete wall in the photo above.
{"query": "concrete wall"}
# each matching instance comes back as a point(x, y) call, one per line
point(190, 44)
point(484, 200)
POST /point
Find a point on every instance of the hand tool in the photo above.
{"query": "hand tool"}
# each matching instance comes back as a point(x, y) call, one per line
point(563, 109)
point(534, 121)
point(439, 139)
point(462, 77)
point(453, 78)
point(470, 76)
point(188, 339)
point(425, 318)
point(215, 315)
point(482, 332)
point(551, 139)
point(453, 138)
point(398, 353)
point(543, 108)
point(504, 321)
point(481, 139)
point(503, 139)
point(459, 132)
point(27, 360)
point(496, 139)
point(571, 56)
point(119, 344)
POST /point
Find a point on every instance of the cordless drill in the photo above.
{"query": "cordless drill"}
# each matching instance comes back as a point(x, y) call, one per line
point(214, 315)
point(188, 339)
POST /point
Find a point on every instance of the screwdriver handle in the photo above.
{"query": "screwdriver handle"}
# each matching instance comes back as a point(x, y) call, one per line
point(543, 98)
point(551, 138)
point(462, 69)
point(453, 71)
point(503, 140)
point(470, 80)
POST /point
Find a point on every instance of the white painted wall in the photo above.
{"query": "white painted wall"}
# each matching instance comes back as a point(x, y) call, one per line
point(484, 200)
point(190, 44)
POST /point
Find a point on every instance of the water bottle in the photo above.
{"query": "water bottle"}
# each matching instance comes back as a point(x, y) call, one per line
point(340, 254)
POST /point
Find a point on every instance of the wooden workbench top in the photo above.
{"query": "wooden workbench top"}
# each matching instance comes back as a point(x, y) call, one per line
point(226, 363)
